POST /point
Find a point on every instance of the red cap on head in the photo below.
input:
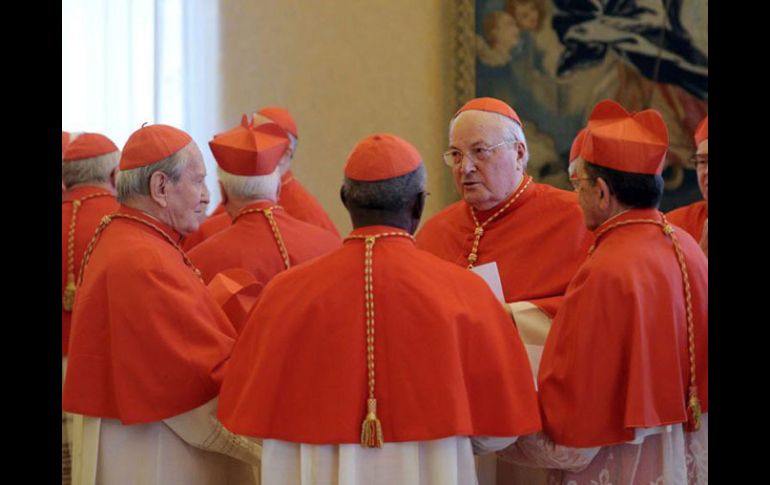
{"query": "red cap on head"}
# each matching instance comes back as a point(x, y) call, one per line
point(250, 151)
point(151, 144)
point(617, 139)
point(381, 156)
point(702, 131)
point(282, 117)
point(88, 145)
point(577, 144)
point(491, 105)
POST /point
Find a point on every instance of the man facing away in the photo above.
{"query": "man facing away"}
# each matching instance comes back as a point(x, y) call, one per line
point(623, 381)
point(378, 363)
point(263, 238)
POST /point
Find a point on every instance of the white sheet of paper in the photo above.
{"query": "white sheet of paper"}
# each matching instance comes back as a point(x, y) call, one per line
point(491, 275)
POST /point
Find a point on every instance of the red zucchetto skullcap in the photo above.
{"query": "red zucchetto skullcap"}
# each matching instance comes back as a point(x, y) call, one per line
point(381, 156)
point(282, 118)
point(88, 145)
point(628, 142)
point(250, 151)
point(702, 131)
point(491, 105)
point(151, 144)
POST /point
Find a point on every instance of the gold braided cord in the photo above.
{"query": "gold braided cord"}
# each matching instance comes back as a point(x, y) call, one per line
point(371, 428)
point(68, 297)
point(268, 212)
point(693, 403)
point(106, 220)
point(479, 231)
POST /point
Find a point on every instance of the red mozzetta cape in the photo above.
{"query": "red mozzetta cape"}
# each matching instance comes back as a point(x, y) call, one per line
point(215, 223)
point(148, 341)
point(89, 215)
point(447, 359)
point(249, 243)
point(301, 204)
point(538, 242)
point(616, 357)
point(690, 218)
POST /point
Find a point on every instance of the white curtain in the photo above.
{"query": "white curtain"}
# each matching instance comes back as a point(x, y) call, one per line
point(126, 62)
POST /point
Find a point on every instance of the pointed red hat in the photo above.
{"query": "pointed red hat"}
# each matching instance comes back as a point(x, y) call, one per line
point(250, 151)
point(491, 105)
point(577, 144)
point(88, 145)
point(702, 131)
point(282, 117)
point(628, 142)
point(381, 156)
point(151, 144)
point(236, 291)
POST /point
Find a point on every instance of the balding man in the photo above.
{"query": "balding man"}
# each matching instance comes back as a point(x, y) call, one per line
point(149, 344)
point(263, 238)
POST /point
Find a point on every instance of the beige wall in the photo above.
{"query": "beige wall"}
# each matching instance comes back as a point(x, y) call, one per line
point(344, 69)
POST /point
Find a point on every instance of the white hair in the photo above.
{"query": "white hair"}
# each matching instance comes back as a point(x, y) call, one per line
point(251, 187)
point(94, 170)
point(513, 132)
point(136, 181)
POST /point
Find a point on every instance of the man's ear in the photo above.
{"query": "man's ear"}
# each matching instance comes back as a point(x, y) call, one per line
point(159, 184)
point(222, 193)
point(604, 192)
point(419, 205)
point(521, 152)
point(114, 178)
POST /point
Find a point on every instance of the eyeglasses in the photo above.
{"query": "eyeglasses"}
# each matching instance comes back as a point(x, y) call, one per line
point(699, 159)
point(576, 181)
point(454, 157)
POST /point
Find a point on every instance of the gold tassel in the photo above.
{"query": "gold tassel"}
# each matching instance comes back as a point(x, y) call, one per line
point(68, 298)
point(371, 428)
point(695, 411)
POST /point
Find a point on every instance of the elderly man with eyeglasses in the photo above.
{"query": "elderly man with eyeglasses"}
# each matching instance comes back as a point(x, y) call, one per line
point(533, 232)
point(694, 218)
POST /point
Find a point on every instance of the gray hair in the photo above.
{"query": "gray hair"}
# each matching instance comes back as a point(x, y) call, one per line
point(94, 170)
point(136, 181)
point(513, 132)
point(391, 195)
point(251, 187)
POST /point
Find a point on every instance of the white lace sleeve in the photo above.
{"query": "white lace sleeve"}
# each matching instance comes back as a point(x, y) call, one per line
point(487, 444)
point(538, 451)
point(201, 429)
